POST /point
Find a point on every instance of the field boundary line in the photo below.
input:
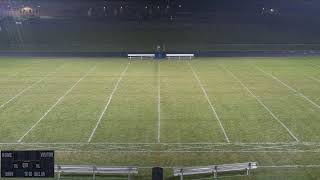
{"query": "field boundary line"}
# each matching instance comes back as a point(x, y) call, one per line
point(262, 104)
point(289, 87)
point(159, 104)
point(108, 102)
point(56, 103)
point(29, 87)
point(208, 99)
point(173, 151)
point(291, 166)
point(138, 143)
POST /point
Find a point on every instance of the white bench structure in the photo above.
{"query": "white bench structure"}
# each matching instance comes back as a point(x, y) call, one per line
point(214, 169)
point(169, 56)
point(130, 56)
point(180, 56)
point(94, 170)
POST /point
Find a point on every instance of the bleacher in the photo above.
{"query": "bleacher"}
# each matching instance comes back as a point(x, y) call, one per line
point(95, 170)
point(214, 169)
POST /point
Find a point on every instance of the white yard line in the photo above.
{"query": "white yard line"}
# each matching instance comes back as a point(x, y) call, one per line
point(159, 103)
point(56, 103)
point(29, 87)
point(137, 143)
point(211, 105)
point(313, 78)
point(262, 104)
point(289, 87)
point(108, 103)
point(314, 64)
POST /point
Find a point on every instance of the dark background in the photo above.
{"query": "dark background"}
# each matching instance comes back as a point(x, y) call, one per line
point(178, 25)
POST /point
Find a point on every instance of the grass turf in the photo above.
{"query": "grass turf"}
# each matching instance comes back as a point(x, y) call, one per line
point(37, 108)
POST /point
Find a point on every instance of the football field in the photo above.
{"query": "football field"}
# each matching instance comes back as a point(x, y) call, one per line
point(117, 112)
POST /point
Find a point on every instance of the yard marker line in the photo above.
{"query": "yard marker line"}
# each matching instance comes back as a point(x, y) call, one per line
point(262, 104)
point(56, 103)
point(289, 87)
point(313, 78)
point(27, 88)
point(108, 103)
point(211, 105)
point(159, 103)
point(314, 64)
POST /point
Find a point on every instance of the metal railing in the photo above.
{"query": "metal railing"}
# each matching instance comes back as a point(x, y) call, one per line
point(94, 170)
point(214, 169)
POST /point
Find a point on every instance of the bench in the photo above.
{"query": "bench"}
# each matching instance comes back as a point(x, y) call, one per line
point(180, 56)
point(130, 56)
point(214, 169)
point(94, 170)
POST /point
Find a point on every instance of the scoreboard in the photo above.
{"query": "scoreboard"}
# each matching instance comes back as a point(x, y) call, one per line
point(27, 164)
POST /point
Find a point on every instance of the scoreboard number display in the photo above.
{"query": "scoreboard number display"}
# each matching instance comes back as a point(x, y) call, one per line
point(26, 164)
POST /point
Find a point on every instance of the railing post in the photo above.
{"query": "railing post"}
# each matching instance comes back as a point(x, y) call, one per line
point(181, 176)
point(215, 172)
point(248, 169)
point(94, 172)
point(59, 172)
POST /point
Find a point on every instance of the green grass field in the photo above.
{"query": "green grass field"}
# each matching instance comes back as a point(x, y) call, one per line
point(147, 113)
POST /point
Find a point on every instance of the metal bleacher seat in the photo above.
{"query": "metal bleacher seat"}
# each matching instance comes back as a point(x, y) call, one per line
point(94, 170)
point(214, 169)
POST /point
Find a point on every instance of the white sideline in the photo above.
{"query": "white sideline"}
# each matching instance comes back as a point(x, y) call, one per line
point(292, 166)
point(109, 101)
point(182, 151)
point(262, 104)
point(29, 87)
point(211, 105)
point(56, 103)
point(318, 80)
point(162, 143)
point(159, 103)
point(289, 87)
